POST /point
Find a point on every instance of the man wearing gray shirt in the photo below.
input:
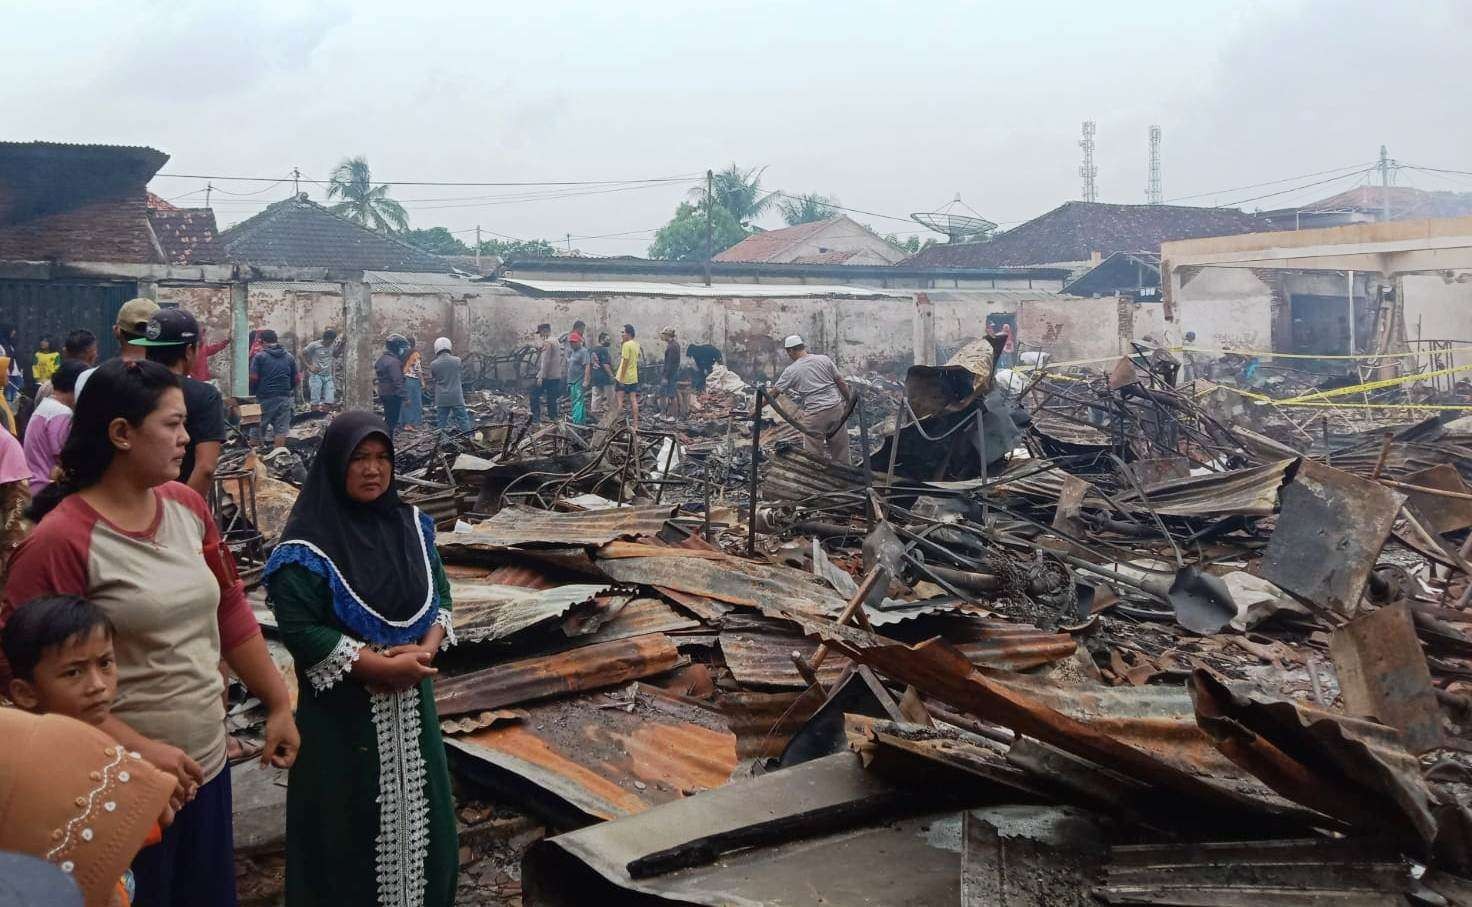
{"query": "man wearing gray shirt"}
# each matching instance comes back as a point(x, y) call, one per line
point(447, 375)
point(822, 398)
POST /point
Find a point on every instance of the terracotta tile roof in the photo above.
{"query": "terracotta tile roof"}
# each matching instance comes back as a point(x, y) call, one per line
point(1074, 231)
point(831, 257)
point(303, 234)
point(1405, 202)
point(770, 244)
point(157, 204)
point(187, 235)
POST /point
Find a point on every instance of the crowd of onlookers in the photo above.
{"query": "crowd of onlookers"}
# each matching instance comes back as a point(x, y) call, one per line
point(602, 385)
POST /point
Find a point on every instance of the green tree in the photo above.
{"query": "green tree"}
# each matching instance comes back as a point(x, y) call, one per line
point(910, 244)
point(518, 248)
point(436, 241)
point(683, 238)
point(739, 192)
point(362, 202)
point(804, 209)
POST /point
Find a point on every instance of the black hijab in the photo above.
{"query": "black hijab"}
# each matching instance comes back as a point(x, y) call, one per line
point(377, 550)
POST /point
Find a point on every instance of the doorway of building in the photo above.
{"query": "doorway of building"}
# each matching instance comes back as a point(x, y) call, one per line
point(1320, 327)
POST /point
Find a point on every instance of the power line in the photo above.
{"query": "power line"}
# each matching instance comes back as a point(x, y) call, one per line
point(608, 182)
point(1335, 179)
point(1286, 179)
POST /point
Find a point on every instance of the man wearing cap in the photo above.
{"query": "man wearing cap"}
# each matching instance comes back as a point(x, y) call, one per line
point(131, 324)
point(172, 340)
point(273, 380)
point(579, 376)
point(822, 398)
point(669, 381)
point(551, 374)
point(447, 374)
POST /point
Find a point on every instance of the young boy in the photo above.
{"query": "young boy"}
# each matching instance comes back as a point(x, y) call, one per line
point(62, 663)
point(61, 659)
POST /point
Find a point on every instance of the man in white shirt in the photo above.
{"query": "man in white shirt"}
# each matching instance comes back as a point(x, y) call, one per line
point(822, 397)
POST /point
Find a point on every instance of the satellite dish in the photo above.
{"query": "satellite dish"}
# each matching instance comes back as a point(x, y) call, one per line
point(955, 222)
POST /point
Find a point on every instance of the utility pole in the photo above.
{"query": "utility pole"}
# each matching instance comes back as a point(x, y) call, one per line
point(709, 179)
point(296, 175)
point(207, 188)
point(1384, 184)
point(569, 244)
point(477, 247)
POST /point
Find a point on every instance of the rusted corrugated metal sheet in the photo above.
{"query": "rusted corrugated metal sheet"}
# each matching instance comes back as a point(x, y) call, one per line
point(1242, 492)
point(764, 722)
point(610, 762)
point(1144, 732)
point(521, 526)
point(731, 580)
point(796, 475)
point(763, 661)
point(639, 617)
point(485, 612)
point(523, 576)
point(587, 668)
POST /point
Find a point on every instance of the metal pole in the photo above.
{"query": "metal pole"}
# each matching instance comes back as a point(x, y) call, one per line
point(756, 455)
point(981, 452)
point(705, 486)
point(1349, 292)
point(864, 439)
point(709, 204)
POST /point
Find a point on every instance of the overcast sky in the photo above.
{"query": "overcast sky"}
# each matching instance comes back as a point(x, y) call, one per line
point(890, 107)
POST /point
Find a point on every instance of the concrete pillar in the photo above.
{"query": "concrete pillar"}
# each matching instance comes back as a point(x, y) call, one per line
point(240, 339)
point(360, 345)
point(923, 330)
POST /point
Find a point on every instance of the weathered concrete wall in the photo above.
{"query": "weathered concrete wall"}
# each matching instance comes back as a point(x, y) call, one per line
point(1228, 308)
point(1438, 307)
point(862, 335)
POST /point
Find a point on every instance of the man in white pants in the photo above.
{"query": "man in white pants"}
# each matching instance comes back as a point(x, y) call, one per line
point(822, 398)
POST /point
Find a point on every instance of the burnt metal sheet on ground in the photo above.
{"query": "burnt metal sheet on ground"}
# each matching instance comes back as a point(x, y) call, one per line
point(607, 761)
point(732, 580)
point(638, 617)
point(523, 526)
point(763, 661)
point(1383, 675)
point(1328, 536)
point(1029, 856)
point(1443, 514)
point(910, 861)
point(1306, 872)
point(587, 668)
point(485, 612)
point(796, 475)
point(1240, 492)
point(764, 722)
point(1145, 732)
point(1351, 769)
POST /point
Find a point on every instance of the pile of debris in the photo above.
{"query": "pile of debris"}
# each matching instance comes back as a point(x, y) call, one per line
point(1093, 641)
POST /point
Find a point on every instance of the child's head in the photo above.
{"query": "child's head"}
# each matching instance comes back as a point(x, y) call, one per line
point(61, 658)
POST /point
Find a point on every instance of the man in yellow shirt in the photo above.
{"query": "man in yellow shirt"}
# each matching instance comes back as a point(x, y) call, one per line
point(626, 380)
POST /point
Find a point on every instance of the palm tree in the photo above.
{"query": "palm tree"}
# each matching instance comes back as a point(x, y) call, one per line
point(804, 209)
point(739, 192)
point(363, 203)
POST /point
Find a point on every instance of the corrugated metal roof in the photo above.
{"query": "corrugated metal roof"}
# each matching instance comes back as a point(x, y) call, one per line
point(610, 762)
point(731, 580)
point(723, 290)
point(515, 526)
point(530, 679)
point(485, 612)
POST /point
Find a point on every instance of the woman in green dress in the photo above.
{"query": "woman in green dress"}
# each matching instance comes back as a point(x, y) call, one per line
point(364, 607)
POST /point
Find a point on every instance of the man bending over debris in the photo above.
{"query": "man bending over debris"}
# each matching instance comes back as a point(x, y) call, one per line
point(822, 397)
